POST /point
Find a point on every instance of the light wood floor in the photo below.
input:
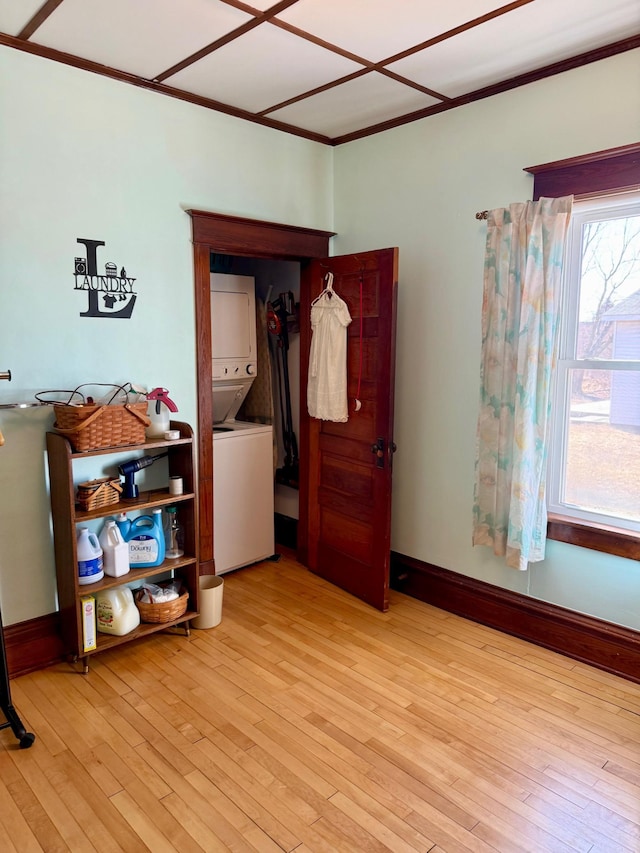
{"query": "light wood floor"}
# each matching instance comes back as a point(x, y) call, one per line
point(307, 721)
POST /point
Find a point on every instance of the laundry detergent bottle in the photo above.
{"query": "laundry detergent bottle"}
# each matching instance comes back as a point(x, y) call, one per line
point(146, 541)
point(89, 557)
point(124, 525)
point(116, 612)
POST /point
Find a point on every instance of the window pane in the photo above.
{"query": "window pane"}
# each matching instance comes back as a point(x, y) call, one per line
point(602, 472)
point(609, 305)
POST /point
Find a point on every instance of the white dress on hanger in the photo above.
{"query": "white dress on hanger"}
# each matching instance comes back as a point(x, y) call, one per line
point(327, 385)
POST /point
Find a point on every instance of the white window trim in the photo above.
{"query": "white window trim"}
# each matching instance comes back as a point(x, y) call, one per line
point(609, 207)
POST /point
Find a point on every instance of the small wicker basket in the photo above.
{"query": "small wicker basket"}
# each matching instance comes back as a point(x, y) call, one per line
point(165, 611)
point(98, 493)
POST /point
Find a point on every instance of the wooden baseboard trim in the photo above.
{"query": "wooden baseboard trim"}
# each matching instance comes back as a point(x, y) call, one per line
point(36, 643)
point(33, 644)
point(605, 645)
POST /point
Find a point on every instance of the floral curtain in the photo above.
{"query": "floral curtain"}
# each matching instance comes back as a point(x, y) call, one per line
point(522, 276)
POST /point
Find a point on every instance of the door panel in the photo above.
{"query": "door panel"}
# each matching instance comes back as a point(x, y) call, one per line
point(346, 534)
point(342, 474)
point(347, 489)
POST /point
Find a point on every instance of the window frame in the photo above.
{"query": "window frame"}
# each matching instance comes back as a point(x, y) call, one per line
point(610, 207)
point(597, 173)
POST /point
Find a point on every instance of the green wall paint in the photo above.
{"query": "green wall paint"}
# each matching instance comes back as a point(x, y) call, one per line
point(84, 156)
point(418, 187)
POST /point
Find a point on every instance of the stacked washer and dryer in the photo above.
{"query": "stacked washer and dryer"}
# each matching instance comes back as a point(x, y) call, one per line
point(243, 490)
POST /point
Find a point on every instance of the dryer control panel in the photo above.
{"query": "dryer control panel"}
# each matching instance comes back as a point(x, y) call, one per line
point(235, 370)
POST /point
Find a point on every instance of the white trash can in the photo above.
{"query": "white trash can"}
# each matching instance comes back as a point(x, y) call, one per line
point(211, 588)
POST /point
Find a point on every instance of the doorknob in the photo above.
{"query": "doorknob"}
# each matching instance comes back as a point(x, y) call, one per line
point(392, 449)
point(4, 374)
point(378, 451)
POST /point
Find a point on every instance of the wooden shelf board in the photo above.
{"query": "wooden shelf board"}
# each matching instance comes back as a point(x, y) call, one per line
point(127, 448)
point(134, 575)
point(147, 500)
point(144, 629)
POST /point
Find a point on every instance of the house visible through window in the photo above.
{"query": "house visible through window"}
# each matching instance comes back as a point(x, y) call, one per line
point(595, 447)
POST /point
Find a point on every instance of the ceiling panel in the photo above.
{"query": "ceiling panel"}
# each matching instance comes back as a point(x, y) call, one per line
point(379, 29)
point(265, 67)
point(261, 5)
point(359, 103)
point(530, 37)
point(252, 64)
point(142, 37)
point(14, 16)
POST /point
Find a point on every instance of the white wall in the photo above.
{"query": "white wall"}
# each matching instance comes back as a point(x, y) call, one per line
point(418, 187)
point(85, 156)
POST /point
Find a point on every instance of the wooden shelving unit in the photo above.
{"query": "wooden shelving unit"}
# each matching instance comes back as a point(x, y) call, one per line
point(67, 517)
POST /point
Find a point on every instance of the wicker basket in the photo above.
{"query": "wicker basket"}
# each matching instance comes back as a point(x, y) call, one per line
point(91, 427)
point(98, 493)
point(165, 611)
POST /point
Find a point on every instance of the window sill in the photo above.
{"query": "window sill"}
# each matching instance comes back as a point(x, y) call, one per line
point(598, 537)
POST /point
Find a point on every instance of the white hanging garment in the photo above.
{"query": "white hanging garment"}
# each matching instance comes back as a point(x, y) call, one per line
point(327, 385)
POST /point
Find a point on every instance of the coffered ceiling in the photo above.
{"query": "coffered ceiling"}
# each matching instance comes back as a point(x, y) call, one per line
point(330, 70)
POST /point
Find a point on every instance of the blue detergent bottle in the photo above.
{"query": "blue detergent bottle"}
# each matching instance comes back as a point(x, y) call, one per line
point(124, 525)
point(146, 541)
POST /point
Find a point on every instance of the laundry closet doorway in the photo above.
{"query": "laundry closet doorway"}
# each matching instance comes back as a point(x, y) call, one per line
point(274, 395)
point(345, 469)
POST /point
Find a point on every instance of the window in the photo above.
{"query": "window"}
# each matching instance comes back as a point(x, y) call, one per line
point(615, 170)
point(594, 474)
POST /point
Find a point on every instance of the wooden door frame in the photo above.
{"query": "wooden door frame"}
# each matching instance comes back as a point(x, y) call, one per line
point(233, 235)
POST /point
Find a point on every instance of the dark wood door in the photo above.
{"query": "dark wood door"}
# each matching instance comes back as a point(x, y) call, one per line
point(346, 499)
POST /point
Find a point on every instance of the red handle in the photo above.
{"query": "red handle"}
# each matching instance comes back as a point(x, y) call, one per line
point(161, 395)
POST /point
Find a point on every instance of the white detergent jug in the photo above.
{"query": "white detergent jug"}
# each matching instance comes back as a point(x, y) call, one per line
point(116, 612)
point(160, 418)
point(89, 557)
point(115, 551)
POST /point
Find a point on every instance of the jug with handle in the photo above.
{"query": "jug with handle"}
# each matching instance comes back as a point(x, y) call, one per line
point(89, 553)
point(124, 524)
point(116, 612)
point(115, 551)
point(146, 541)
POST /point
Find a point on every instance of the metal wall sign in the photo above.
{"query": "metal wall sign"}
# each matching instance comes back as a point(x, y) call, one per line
point(109, 293)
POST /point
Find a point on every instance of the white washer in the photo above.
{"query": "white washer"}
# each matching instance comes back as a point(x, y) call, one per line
point(243, 494)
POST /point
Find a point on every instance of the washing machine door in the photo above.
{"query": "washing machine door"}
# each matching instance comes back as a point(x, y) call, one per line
point(227, 399)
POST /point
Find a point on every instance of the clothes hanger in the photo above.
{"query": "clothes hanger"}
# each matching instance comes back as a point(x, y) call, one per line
point(328, 284)
point(327, 290)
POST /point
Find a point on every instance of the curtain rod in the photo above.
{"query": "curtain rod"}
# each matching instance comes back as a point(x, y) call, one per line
point(482, 214)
